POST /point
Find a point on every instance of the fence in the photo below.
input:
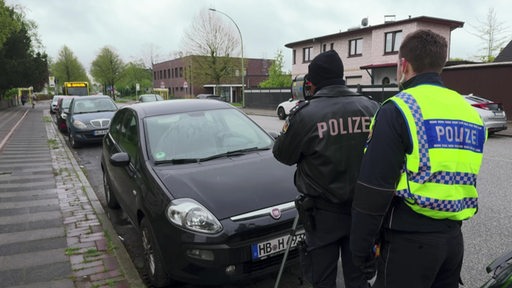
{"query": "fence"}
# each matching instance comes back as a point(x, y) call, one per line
point(269, 98)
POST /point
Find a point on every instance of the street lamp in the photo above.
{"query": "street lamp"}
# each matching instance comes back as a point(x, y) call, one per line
point(242, 50)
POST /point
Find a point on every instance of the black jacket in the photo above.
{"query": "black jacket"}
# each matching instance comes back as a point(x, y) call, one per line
point(325, 137)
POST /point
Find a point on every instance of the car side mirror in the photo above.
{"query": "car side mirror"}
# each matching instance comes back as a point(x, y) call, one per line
point(120, 159)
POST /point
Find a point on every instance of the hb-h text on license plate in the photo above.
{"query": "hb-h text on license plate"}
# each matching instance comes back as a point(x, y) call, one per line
point(274, 246)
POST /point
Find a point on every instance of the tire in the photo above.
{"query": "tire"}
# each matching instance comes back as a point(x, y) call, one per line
point(110, 197)
point(280, 113)
point(72, 140)
point(153, 263)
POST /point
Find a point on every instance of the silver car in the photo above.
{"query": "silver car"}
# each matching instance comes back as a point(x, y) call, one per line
point(492, 113)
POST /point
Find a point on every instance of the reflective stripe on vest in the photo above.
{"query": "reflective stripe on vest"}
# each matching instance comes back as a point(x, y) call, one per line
point(427, 204)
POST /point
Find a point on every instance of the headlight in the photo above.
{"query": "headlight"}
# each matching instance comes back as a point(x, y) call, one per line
point(191, 215)
point(79, 124)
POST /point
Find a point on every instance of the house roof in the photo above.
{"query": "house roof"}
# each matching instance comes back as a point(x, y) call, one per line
point(505, 54)
point(375, 66)
point(451, 23)
point(478, 65)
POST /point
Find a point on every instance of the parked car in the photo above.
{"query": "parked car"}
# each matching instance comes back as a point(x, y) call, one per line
point(53, 104)
point(209, 96)
point(283, 109)
point(88, 119)
point(199, 181)
point(61, 113)
point(492, 113)
point(150, 98)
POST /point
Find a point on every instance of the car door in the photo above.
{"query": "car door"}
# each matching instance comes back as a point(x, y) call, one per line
point(127, 177)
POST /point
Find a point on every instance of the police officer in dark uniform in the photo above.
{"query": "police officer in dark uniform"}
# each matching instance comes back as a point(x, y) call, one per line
point(325, 136)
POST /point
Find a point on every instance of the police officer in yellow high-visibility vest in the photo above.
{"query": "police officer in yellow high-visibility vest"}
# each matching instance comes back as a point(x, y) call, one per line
point(418, 176)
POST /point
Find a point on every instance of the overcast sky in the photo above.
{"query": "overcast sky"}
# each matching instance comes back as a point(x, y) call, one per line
point(132, 27)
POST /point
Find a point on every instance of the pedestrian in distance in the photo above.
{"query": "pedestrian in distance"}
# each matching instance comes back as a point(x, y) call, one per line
point(33, 99)
point(418, 175)
point(324, 136)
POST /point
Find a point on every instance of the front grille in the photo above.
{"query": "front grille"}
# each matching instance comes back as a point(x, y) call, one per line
point(100, 123)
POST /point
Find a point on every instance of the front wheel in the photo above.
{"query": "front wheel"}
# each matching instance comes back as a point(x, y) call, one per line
point(280, 113)
point(153, 263)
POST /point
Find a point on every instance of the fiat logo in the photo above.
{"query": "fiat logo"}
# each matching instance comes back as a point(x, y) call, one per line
point(275, 213)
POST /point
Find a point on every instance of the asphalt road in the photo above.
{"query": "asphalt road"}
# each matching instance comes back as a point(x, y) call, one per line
point(487, 235)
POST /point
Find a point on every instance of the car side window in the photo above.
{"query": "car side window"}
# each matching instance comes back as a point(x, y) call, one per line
point(129, 135)
point(115, 126)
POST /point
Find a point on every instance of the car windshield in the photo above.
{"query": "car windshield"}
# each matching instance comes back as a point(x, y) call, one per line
point(203, 136)
point(94, 105)
point(149, 98)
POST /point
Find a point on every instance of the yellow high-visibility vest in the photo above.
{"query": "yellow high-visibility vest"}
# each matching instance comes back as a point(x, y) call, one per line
point(448, 135)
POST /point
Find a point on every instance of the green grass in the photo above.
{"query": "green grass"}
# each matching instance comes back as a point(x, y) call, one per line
point(53, 143)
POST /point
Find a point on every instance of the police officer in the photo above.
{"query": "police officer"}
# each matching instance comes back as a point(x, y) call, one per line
point(418, 176)
point(325, 136)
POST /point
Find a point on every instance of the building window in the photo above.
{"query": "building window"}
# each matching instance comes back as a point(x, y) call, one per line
point(181, 72)
point(392, 42)
point(306, 54)
point(154, 75)
point(294, 56)
point(160, 72)
point(332, 46)
point(165, 74)
point(169, 73)
point(172, 72)
point(176, 72)
point(355, 47)
point(324, 47)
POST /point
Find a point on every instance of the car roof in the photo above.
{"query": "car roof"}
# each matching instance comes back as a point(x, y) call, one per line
point(173, 106)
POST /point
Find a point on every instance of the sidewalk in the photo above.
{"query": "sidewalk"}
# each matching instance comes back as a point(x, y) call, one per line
point(53, 230)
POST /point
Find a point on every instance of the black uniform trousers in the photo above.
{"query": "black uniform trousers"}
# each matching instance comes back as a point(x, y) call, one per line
point(326, 239)
point(420, 259)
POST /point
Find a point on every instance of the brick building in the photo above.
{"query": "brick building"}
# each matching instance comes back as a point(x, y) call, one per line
point(177, 76)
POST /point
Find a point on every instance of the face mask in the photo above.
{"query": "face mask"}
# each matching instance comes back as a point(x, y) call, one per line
point(400, 83)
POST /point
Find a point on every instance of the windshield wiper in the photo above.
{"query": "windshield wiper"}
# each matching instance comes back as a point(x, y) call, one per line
point(233, 153)
point(178, 161)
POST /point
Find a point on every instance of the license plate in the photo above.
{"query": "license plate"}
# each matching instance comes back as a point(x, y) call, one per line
point(100, 132)
point(274, 246)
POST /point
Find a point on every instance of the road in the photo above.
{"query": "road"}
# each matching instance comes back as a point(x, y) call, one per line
point(487, 235)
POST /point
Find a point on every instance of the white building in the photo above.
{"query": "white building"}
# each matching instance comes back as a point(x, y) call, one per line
point(369, 53)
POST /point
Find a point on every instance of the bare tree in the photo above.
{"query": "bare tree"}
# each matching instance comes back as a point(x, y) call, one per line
point(211, 43)
point(492, 32)
point(151, 55)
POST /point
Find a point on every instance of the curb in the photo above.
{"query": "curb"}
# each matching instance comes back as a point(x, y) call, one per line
point(129, 272)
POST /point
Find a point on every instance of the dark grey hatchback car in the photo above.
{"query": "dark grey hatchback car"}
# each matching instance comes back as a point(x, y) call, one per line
point(198, 179)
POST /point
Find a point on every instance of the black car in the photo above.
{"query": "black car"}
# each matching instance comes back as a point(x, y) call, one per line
point(198, 179)
point(88, 119)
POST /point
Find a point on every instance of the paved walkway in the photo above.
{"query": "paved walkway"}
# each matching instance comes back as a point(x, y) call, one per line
point(53, 230)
